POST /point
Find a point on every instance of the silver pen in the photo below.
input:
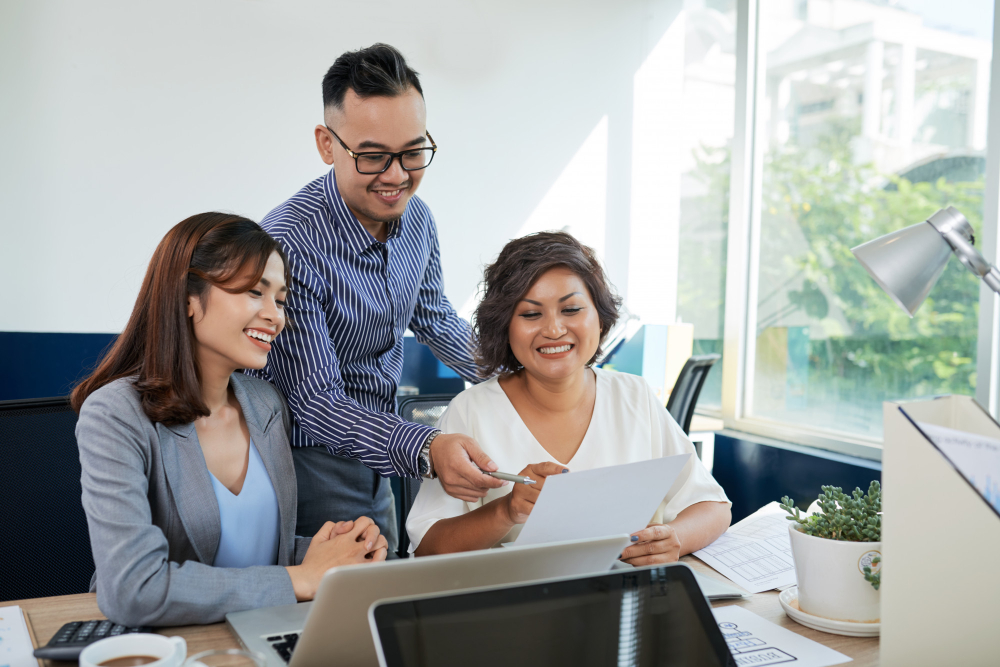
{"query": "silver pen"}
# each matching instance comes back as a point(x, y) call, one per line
point(507, 477)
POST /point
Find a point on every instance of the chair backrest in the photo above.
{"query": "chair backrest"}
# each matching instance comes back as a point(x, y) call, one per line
point(44, 543)
point(684, 396)
point(423, 409)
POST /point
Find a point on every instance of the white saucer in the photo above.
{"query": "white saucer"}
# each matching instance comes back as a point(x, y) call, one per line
point(789, 599)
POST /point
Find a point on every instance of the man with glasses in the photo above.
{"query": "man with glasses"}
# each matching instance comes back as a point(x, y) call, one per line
point(365, 266)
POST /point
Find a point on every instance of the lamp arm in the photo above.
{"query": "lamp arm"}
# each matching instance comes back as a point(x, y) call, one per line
point(957, 231)
point(973, 259)
point(992, 279)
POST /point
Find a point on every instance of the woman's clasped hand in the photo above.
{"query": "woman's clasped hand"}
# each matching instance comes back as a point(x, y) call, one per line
point(340, 543)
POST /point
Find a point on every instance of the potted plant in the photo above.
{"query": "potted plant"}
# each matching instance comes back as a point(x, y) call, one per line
point(838, 553)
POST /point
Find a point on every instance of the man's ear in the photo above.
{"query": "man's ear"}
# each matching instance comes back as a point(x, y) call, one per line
point(324, 144)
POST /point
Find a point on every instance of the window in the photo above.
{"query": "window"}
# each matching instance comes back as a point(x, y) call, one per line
point(707, 118)
point(870, 117)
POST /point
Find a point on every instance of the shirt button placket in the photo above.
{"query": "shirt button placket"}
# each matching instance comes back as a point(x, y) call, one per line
point(391, 324)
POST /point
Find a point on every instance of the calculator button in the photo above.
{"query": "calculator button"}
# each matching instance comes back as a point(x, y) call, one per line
point(87, 629)
point(117, 630)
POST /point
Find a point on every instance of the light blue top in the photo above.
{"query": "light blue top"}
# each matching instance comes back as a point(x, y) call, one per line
point(250, 521)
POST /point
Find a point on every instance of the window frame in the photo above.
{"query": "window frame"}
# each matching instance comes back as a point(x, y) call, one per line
point(743, 252)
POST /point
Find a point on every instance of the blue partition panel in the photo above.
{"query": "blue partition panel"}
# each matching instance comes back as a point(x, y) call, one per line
point(421, 369)
point(40, 365)
point(754, 473)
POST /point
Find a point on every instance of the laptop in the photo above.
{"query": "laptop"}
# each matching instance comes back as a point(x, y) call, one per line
point(333, 628)
point(654, 615)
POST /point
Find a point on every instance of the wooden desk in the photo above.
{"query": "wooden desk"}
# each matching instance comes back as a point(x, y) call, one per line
point(46, 615)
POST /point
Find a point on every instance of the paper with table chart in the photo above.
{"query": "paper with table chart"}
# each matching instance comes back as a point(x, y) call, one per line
point(15, 642)
point(976, 457)
point(617, 500)
point(755, 553)
point(756, 642)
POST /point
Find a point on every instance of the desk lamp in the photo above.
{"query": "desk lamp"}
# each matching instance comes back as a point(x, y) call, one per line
point(907, 263)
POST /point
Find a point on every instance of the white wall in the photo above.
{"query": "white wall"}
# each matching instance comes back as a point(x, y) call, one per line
point(120, 118)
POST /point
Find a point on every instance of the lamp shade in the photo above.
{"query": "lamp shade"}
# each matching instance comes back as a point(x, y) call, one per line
point(906, 263)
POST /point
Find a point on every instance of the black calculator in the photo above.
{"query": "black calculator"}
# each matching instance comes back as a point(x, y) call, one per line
point(73, 637)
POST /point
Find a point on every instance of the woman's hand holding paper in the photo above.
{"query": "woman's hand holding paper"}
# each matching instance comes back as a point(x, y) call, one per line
point(657, 543)
point(522, 499)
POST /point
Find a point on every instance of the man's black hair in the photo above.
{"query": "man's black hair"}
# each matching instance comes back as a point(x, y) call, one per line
point(377, 70)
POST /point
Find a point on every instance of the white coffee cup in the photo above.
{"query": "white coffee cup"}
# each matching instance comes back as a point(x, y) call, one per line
point(170, 651)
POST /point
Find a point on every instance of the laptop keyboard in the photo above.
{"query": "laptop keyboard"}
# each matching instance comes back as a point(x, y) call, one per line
point(284, 644)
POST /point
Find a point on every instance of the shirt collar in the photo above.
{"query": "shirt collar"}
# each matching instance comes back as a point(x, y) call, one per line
point(347, 224)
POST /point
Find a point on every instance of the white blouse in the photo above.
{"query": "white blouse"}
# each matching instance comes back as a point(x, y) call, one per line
point(629, 424)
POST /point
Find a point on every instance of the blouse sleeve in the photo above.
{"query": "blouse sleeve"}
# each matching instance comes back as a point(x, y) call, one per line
point(432, 503)
point(695, 484)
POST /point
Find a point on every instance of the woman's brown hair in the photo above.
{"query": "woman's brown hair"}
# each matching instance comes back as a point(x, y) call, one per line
point(158, 344)
point(506, 281)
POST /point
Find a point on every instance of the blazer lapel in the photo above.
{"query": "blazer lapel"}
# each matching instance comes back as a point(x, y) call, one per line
point(263, 422)
point(191, 487)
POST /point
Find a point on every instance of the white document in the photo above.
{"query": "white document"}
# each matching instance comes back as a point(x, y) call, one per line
point(755, 553)
point(617, 500)
point(757, 642)
point(15, 642)
point(976, 457)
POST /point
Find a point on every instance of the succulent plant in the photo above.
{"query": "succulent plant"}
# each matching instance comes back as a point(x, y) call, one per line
point(849, 518)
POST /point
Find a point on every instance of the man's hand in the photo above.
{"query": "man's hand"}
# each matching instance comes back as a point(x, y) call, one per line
point(458, 462)
point(657, 543)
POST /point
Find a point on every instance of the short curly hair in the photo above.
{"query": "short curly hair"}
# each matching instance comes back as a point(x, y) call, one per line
point(505, 282)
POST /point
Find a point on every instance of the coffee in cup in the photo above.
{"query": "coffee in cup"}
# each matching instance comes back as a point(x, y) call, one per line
point(135, 649)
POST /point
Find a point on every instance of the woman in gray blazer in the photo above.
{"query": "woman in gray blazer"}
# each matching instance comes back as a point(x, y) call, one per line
point(188, 481)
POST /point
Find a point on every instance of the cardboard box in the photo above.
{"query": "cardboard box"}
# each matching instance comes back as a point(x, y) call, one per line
point(940, 543)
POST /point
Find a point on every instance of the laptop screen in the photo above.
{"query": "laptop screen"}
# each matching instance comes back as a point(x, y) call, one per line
point(650, 616)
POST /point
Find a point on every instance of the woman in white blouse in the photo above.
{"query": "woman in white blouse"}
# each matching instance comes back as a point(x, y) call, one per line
point(546, 310)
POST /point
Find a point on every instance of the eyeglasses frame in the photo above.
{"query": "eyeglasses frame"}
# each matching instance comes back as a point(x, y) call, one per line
point(392, 156)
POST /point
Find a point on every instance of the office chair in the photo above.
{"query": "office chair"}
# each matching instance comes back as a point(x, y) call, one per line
point(423, 409)
point(684, 396)
point(44, 544)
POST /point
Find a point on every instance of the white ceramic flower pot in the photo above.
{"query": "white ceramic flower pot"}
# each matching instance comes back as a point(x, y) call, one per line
point(831, 579)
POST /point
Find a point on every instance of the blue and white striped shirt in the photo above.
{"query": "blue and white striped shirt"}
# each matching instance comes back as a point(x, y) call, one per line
point(350, 301)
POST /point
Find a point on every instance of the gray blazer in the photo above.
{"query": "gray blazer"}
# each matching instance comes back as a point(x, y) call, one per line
point(153, 517)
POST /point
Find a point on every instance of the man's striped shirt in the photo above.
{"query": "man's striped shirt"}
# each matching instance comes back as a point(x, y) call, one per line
point(350, 301)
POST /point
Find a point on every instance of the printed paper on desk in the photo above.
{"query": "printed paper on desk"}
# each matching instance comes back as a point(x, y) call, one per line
point(15, 643)
point(755, 553)
point(755, 641)
point(616, 500)
point(976, 457)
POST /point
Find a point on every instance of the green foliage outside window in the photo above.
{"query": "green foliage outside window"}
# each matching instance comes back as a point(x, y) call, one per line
point(837, 205)
point(818, 203)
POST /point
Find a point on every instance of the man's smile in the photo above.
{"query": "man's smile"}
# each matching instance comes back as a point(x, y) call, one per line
point(390, 196)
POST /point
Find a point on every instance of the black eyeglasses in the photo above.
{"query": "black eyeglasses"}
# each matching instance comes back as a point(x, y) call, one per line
point(413, 159)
